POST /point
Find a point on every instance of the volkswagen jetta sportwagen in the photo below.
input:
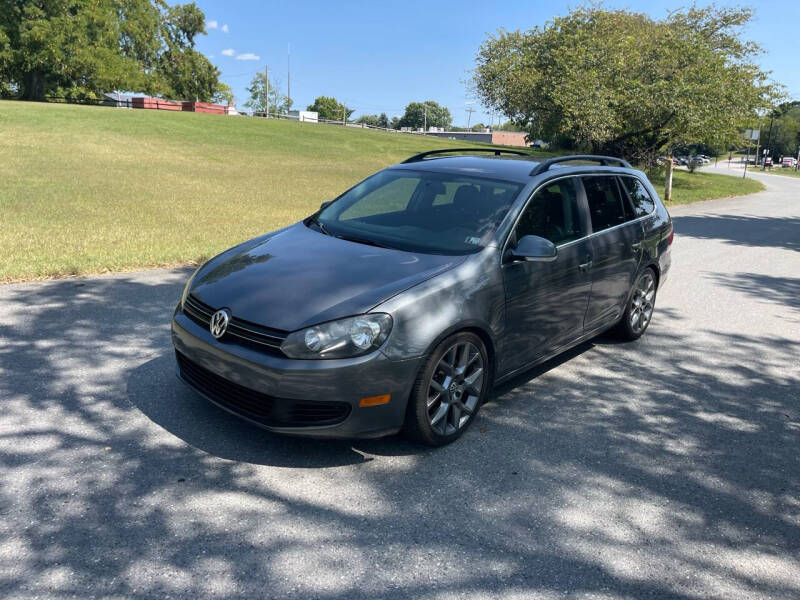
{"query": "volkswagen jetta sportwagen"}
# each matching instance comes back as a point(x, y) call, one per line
point(398, 305)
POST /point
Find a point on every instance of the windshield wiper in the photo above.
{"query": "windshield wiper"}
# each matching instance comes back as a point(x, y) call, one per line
point(366, 242)
point(315, 220)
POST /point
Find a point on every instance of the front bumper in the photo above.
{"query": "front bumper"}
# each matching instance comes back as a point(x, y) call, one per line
point(288, 381)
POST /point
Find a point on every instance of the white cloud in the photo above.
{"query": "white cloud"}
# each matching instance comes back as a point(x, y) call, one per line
point(225, 28)
point(228, 52)
point(212, 25)
point(248, 56)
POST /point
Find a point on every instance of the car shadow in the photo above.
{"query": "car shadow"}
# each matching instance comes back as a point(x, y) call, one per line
point(157, 392)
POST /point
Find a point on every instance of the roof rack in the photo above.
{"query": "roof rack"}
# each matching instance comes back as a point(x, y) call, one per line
point(495, 151)
point(603, 160)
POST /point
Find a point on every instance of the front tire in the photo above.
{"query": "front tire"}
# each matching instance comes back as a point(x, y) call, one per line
point(639, 310)
point(449, 390)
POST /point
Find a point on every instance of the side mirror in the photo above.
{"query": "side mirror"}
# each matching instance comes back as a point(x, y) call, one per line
point(325, 204)
point(533, 248)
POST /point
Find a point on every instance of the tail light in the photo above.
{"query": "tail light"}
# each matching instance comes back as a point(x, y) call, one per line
point(671, 235)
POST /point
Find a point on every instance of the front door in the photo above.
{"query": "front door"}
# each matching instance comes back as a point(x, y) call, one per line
point(616, 250)
point(546, 301)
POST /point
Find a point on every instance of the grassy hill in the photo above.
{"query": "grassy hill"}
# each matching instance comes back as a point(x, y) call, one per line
point(92, 189)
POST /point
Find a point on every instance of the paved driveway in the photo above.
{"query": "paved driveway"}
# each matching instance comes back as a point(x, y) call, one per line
point(663, 468)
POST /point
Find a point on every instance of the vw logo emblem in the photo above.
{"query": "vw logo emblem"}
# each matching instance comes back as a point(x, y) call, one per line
point(219, 323)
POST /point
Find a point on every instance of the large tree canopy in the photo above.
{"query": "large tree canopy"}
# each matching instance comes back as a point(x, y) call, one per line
point(418, 114)
point(82, 48)
point(622, 83)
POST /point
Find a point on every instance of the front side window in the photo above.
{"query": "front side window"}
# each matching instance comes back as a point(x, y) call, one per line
point(553, 214)
point(606, 207)
point(420, 211)
point(640, 198)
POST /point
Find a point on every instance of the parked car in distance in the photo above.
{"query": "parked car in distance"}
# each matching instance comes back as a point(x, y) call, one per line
point(401, 303)
point(788, 161)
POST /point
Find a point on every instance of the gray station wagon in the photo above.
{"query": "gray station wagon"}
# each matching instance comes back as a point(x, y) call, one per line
point(401, 303)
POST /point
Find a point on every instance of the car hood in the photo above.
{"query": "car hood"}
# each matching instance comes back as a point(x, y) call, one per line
point(298, 277)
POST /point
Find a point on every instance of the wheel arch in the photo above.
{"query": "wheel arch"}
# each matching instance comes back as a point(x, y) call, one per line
point(482, 330)
point(653, 264)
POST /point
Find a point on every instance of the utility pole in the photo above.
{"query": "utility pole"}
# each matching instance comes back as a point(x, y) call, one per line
point(768, 145)
point(668, 180)
point(470, 110)
point(266, 88)
point(747, 157)
point(425, 121)
point(288, 77)
point(758, 145)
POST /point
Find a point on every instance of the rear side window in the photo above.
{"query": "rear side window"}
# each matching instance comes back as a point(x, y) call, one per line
point(605, 202)
point(552, 213)
point(640, 198)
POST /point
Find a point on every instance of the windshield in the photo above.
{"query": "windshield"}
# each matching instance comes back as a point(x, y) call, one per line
point(420, 211)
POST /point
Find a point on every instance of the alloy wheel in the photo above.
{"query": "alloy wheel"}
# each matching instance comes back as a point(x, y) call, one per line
point(454, 390)
point(644, 295)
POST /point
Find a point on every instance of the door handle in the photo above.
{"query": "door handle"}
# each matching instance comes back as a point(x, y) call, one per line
point(586, 266)
point(636, 246)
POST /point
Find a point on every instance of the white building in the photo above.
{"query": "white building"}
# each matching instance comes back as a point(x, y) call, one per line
point(305, 116)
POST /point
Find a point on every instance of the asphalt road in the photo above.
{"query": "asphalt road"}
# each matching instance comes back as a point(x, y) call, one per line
point(664, 468)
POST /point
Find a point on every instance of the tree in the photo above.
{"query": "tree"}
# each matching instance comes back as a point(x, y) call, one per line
point(622, 83)
point(368, 120)
point(186, 73)
point(257, 102)
point(80, 49)
point(224, 95)
point(437, 115)
point(330, 108)
point(374, 120)
point(508, 126)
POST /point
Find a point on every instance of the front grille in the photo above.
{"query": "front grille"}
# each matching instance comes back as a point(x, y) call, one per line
point(262, 408)
point(241, 331)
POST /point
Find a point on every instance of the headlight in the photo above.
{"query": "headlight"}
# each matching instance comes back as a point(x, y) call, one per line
point(344, 338)
point(188, 285)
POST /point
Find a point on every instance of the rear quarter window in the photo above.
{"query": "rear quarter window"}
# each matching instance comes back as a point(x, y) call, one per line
point(643, 203)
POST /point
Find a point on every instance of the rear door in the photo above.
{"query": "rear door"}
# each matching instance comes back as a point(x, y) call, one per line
point(546, 301)
point(616, 249)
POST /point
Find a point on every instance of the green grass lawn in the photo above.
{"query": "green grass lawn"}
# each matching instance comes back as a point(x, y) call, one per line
point(693, 187)
point(94, 189)
point(781, 171)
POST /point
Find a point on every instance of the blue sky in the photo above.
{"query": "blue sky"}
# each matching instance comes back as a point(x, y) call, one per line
point(379, 56)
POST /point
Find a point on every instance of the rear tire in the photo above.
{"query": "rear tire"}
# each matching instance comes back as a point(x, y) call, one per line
point(639, 310)
point(449, 390)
